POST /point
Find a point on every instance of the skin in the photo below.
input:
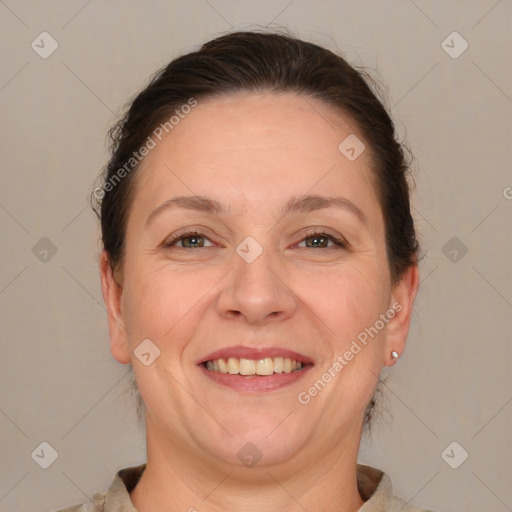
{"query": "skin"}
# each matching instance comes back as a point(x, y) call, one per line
point(252, 152)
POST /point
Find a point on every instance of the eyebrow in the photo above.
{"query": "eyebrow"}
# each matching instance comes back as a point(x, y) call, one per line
point(296, 204)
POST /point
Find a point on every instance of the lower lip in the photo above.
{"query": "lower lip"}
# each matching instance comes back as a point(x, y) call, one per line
point(256, 383)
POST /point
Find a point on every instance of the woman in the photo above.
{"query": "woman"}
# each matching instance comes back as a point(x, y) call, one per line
point(259, 269)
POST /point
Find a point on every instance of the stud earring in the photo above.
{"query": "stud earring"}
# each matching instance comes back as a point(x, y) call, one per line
point(394, 355)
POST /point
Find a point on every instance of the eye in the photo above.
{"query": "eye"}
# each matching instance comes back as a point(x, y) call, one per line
point(189, 240)
point(196, 240)
point(321, 240)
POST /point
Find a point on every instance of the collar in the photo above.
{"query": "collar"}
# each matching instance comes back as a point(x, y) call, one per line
point(374, 486)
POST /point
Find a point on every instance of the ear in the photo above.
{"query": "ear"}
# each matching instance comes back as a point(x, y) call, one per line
point(402, 301)
point(112, 293)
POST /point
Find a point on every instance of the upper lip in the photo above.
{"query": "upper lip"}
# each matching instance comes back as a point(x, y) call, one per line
point(245, 352)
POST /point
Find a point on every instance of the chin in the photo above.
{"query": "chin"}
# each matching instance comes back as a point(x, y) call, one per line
point(268, 443)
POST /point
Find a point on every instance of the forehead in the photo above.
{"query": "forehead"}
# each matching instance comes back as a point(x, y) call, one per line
point(256, 148)
point(265, 121)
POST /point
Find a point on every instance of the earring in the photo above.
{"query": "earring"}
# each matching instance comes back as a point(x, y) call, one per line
point(394, 355)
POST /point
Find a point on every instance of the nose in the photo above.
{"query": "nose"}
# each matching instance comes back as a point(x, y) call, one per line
point(257, 292)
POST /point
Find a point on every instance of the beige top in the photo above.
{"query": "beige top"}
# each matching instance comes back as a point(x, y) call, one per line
point(374, 486)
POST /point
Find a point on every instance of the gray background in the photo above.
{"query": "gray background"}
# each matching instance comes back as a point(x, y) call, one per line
point(59, 382)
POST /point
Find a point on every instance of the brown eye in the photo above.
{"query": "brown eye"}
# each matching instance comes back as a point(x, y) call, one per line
point(190, 240)
point(321, 240)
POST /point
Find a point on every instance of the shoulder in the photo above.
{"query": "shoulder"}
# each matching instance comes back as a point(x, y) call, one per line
point(376, 489)
point(96, 505)
point(399, 505)
point(117, 496)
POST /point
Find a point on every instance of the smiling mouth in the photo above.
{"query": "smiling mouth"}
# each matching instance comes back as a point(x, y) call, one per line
point(260, 367)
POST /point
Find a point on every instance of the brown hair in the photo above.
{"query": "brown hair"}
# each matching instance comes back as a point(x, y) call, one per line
point(261, 62)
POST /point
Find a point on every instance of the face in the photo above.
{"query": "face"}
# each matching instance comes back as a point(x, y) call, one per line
point(268, 273)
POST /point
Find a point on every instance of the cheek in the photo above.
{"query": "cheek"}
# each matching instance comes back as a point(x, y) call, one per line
point(161, 302)
point(355, 303)
point(348, 299)
point(349, 303)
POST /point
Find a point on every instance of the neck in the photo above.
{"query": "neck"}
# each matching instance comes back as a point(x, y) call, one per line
point(190, 480)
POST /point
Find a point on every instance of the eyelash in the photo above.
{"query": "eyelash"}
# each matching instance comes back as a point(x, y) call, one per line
point(341, 243)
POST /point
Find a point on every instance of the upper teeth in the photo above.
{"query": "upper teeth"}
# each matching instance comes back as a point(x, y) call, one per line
point(266, 366)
